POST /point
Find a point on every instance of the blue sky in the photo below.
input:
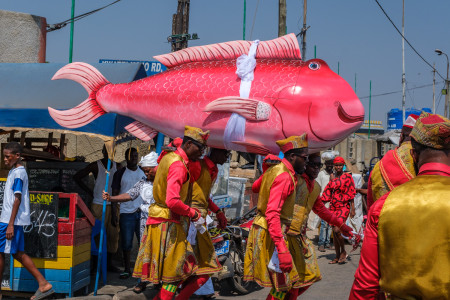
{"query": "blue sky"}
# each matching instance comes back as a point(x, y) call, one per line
point(353, 33)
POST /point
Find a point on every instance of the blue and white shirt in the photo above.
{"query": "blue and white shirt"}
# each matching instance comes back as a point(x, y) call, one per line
point(16, 183)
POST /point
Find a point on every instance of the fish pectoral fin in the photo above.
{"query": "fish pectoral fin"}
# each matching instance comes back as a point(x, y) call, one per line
point(141, 131)
point(253, 147)
point(250, 109)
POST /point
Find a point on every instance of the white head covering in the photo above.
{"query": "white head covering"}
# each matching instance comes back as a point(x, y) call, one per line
point(330, 155)
point(411, 121)
point(150, 160)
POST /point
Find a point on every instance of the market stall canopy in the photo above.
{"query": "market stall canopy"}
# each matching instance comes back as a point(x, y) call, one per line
point(26, 90)
point(390, 137)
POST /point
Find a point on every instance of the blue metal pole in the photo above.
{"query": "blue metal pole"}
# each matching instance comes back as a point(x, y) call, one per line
point(102, 232)
point(159, 142)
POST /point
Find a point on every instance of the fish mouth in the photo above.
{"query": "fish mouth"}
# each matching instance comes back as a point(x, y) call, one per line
point(343, 116)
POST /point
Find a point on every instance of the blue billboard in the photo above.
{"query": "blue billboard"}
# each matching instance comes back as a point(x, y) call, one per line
point(151, 67)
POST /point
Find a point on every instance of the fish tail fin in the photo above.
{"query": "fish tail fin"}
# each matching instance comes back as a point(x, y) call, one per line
point(92, 80)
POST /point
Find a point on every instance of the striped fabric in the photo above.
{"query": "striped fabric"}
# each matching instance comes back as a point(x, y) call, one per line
point(277, 295)
point(170, 287)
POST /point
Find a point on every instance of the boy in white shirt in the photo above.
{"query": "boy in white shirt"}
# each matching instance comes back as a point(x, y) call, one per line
point(15, 215)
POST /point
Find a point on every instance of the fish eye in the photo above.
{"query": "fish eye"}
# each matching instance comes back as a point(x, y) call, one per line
point(314, 66)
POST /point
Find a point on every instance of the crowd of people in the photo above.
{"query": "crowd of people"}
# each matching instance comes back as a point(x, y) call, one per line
point(164, 200)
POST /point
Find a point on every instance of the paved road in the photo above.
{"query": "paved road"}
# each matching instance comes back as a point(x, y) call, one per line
point(336, 279)
point(335, 284)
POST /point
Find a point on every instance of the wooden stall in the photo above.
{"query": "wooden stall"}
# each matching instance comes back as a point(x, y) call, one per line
point(69, 270)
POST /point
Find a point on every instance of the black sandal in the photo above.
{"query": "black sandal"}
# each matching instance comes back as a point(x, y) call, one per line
point(124, 275)
point(140, 287)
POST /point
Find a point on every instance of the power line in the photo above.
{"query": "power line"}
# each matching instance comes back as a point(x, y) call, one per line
point(396, 92)
point(254, 19)
point(410, 96)
point(53, 27)
point(407, 40)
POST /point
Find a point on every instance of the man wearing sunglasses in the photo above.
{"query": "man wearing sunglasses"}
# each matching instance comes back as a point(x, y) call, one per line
point(165, 256)
point(306, 199)
point(275, 211)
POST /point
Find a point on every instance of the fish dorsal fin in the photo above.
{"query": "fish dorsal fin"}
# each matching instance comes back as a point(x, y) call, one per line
point(285, 47)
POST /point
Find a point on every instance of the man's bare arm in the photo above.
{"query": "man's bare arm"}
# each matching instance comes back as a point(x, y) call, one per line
point(15, 209)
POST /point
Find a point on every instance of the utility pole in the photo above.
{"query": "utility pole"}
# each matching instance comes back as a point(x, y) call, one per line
point(179, 40)
point(281, 17)
point(403, 58)
point(446, 90)
point(180, 24)
point(434, 88)
point(304, 32)
point(447, 103)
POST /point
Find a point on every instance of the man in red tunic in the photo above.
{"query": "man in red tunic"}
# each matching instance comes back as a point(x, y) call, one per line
point(165, 256)
point(415, 264)
point(267, 237)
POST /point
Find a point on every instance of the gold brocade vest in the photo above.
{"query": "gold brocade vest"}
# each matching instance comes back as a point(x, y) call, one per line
point(414, 239)
point(201, 190)
point(264, 192)
point(159, 208)
point(379, 187)
point(304, 202)
point(404, 168)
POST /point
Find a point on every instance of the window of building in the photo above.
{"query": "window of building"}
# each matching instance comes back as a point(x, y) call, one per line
point(350, 149)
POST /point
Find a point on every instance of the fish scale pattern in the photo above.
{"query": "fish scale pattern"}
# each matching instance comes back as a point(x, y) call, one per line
point(182, 92)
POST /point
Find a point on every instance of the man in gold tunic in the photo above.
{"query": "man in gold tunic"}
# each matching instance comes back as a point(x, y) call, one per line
point(267, 239)
point(165, 256)
point(395, 168)
point(204, 174)
point(406, 249)
point(302, 250)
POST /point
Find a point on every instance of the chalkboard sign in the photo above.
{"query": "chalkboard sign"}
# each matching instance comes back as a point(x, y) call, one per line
point(41, 237)
point(57, 177)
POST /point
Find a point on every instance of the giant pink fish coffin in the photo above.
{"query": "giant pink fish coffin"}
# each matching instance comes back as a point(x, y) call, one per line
point(288, 97)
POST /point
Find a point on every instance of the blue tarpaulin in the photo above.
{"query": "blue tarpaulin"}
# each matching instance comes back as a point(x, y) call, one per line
point(26, 90)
